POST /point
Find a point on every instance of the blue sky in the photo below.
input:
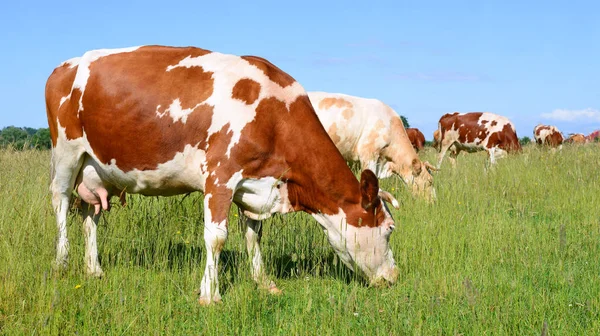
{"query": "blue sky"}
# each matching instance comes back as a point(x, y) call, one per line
point(532, 61)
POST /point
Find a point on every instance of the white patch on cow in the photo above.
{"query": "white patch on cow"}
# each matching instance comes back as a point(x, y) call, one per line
point(259, 198)
point(73, 62)
point(227, 71)
point(63, 99)
point(365, 247)
point(185, 169)
point(83, 71)
point(176, 111)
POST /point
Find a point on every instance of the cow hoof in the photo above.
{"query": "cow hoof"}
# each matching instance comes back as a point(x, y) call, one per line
point(205, 302)
point(273, 290)
point(59, 266)
point(97, 273)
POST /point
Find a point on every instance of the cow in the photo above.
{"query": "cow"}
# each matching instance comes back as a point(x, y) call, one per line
point(576, 138)
point(417, 139)
point(157, 120)
point(475, 131)
point(593, 137)
point(548, 135)
point(372, 133)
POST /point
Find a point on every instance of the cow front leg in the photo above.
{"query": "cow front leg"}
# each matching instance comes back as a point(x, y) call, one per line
point(216, 208)
point(253, 237)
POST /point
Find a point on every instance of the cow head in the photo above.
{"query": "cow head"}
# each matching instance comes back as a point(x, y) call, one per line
point(437, 139)
point(422, 183)
point(360, 233)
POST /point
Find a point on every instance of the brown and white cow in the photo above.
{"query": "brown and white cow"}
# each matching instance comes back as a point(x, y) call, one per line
point(372, 133)
point(475, 131)
point(160, 120)
point(416, 137)
point(548, 135)
point(576, 138)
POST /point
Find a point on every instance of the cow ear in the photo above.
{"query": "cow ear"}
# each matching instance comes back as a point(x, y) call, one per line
point(369, 189)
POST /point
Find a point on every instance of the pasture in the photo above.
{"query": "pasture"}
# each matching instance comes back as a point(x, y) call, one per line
point(514, 250)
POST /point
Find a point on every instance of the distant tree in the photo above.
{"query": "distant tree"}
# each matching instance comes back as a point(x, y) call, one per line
point(41, 139)
point(25, 138)
point(525, 141)
point(30, 131)
point(14, 136)
point(405, 121)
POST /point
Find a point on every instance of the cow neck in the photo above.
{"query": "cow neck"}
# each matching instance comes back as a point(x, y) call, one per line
point(402, 152)
point(319, 180)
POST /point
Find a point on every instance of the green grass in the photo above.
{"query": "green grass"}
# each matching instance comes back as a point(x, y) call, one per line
point(501, 252)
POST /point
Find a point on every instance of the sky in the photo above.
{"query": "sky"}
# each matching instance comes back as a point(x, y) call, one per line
point(531, 61)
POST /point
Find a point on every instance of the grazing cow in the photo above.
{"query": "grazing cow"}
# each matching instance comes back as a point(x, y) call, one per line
point(576, 138)
point(160, 120)
point(548, 135)
point(372, 133)
point(475, 131)
point(417, 139)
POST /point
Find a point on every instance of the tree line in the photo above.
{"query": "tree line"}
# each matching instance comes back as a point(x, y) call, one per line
point(21, 138)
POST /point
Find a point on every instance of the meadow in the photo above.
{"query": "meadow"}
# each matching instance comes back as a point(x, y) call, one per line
point(512, 250)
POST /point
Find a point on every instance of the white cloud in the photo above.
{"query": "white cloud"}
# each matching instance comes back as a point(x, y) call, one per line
point(588, 114)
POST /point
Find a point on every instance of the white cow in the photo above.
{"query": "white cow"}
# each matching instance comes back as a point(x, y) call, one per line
point(372, 133)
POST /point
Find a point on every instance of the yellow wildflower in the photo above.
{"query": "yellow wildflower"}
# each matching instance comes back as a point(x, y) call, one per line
point(77, 286)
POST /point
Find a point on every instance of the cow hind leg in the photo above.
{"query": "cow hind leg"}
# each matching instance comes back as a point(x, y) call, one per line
point(216, 209)
point(253, 237)
point(444, 146)
point(65, 166)
point(91, 216)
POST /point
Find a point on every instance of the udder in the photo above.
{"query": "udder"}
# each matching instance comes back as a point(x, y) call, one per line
point(93, 190)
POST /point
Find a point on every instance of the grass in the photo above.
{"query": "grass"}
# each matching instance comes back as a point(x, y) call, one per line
point(512, 250)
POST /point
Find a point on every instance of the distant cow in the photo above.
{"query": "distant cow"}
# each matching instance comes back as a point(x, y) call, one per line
point(417, 139)
point(576, 138)
point(164, 121)
point(475, 131)
point(372, 133)
point(547, 135)
point(592, 137)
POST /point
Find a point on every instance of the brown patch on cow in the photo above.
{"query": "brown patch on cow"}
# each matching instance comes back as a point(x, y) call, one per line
point(348, 113)
point(370, 148)
point(58, 86)
point(332, 131)
point(270, 70)
point(505, 139)
point(220, 195)
point(329, 102)
point(493, 123)
point(246, 90)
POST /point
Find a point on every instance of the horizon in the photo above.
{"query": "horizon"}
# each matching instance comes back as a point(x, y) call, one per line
point(533, 63)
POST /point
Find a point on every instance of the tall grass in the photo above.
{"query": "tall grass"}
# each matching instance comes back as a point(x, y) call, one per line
point(507, 250)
